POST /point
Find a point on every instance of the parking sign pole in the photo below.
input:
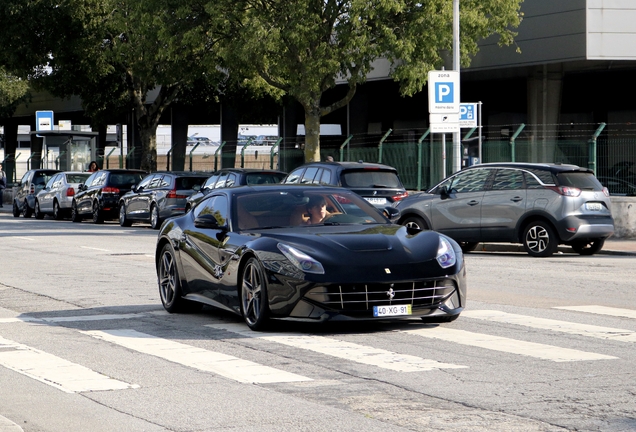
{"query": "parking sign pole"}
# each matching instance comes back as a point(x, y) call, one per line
point(457, 151)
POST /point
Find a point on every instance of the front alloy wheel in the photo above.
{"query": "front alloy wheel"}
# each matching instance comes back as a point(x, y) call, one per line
point(38, 213)
point(123, 220)
point(155, 221)
point(98, 216)
point(75, 216)
point(57, 213)
point(26, 210)
point(539, 239)
point(169, 283)
point(254, 305)
point(415, 222)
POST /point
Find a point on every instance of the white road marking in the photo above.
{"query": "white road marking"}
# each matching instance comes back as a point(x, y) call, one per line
point(512, 346)
point(73, 318)
point(208, 361)
point(602, 310)
point(97, 249)
point(344, 350)
point(55, 371)
point(553, 325)
point(25, 238)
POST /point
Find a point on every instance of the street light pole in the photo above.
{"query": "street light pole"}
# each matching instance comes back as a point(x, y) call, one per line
point(457, 147)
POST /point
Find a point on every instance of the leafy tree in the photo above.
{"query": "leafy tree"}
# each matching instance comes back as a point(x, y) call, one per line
point(301, 47)
point(12, 91)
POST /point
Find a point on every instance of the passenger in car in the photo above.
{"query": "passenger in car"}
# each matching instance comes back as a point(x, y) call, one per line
point(313, 213)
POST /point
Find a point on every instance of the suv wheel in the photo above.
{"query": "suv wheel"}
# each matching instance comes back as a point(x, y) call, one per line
point(26, 210)
point(539, 239)
point(155, 221)
point(588, 247)
point(98, 215)
point(16, 209)
point(123, 220)
point(38, 214)
point(75, 216)
point(415, 222)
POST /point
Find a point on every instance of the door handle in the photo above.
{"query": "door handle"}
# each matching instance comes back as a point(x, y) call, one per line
point(472, 203)
point(516, 199)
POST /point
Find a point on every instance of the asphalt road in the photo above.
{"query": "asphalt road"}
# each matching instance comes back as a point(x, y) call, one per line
point(543, 345)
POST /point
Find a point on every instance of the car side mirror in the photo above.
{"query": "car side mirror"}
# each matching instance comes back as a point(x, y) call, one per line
point(391, 213)
point(81, 187)
point(443, 191)
point(207, 221)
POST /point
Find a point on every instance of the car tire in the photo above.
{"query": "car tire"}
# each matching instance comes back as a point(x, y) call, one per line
point(588, 247)
point(539, 239)
point(169, 281)
point(26, 210)
point(123, 220)
point(155, 220)
point(98, 215)
point(38, 214)
point(57, 213)
point(16, 210)
point(468, 246)
point(253, 294)
point(415, 222)
point(75, 216)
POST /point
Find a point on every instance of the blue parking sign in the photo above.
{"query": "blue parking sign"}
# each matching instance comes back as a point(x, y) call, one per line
point(444, 92)
point(468, 114)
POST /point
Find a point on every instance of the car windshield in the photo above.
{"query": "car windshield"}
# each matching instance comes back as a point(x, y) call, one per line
point(371, 179)
point(276, 209)
point(263, 178)
point(581, 180)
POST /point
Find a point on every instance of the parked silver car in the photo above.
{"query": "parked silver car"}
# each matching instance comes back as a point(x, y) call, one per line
point(32, 182)
point(56, 198)
point(538, 205)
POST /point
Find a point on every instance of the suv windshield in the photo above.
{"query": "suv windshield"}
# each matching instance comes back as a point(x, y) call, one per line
point(581, 180)
point(371, 179)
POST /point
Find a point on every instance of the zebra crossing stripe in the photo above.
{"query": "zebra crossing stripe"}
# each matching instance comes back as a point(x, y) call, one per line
point(553, 325)
point(55, 371)
point(345, 350)
point(503, 344)
point(602, 310)
point(198, 358)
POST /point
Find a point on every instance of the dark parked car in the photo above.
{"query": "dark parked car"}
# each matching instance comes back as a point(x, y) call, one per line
point(32, 182)
point(538, 205)
point(98, 198)
point(239, 250)
point(159, 196)
point(56, 198)
point(231, 177)
point(617, 186)
point(378, 184)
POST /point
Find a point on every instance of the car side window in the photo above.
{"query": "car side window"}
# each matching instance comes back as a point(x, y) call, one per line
point(220, 183)
point(99, 179)
point(294, 176)
point(166, 181)
point(308, 176)
point(90, 179)
point(470, 181)
point(53, 180)
point(145, 181)
point(325, 178)
point(210, 182)
point(155, 182)
point(532, 182)
point(216, 205)
point(231, 180)
point(508, 179)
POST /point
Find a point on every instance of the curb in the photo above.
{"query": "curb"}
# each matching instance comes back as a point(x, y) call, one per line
point(7, 425)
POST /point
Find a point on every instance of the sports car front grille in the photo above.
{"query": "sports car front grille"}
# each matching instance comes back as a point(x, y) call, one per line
point(362, 297)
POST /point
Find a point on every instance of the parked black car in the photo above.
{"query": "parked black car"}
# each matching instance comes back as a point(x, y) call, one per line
point(32, 182)
point(239, 250)
point(99, 196)
point(378, 184)
point(230, 177)
point(159, 196)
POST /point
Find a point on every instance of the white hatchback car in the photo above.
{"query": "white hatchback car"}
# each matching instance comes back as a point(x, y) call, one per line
point(56, 198)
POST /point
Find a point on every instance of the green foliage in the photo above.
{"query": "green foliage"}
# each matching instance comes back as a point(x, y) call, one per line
point(12, 92)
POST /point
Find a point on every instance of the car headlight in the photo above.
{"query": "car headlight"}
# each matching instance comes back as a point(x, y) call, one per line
point(445, 253)
point(301, 260)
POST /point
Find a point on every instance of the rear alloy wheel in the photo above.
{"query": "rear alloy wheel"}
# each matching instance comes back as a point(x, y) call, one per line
point(169, 282)
point(254, 304)
point(415, 222)
point(123, 220)
point(38, 214)
point(155, 221)
point(57, 213)
point(75, 216)
point(539, 239)
point(588, 247)
point(16, 209)
point(98, 216)
point(26, 210)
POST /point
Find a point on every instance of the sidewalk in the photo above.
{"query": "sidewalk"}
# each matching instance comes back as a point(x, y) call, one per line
point(612, 246)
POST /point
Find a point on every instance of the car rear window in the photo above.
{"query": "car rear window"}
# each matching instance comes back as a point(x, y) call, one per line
point(43, 177)
point(371, 179)
point(581, 180)
point(77, 178)
point(186, 183)
point(264, 178)
point(127, 179)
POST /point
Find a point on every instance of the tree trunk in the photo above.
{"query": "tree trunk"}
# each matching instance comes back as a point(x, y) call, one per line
point(312, 133)
point(148, 137)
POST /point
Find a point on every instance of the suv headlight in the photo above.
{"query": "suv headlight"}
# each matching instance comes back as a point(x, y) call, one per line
point(445, 253)
point(301, 260)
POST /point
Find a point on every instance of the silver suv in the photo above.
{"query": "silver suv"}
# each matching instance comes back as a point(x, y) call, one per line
point(538, 205)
